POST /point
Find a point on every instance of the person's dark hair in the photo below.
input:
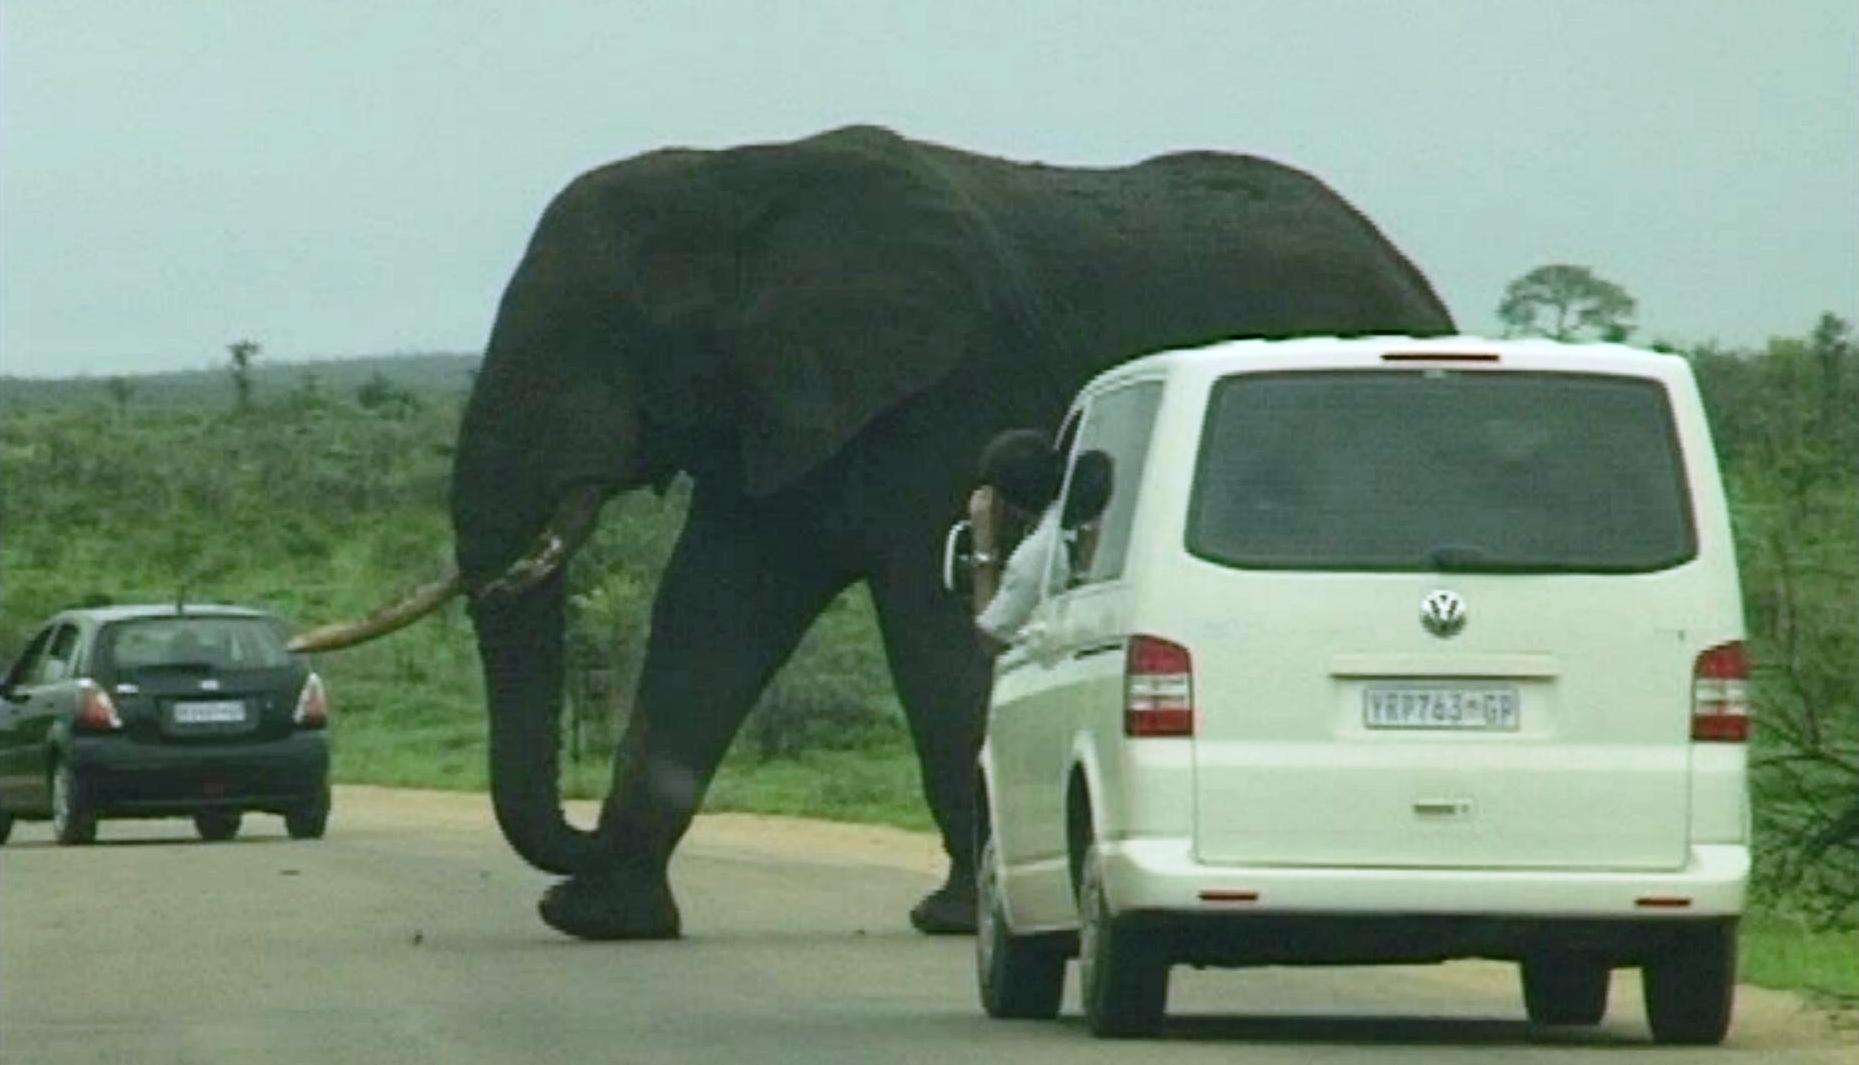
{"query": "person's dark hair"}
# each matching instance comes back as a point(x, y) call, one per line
point(1021, 465)
point(1090, 489)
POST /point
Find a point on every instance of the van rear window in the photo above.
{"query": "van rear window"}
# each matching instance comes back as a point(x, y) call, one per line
point(1473, 471)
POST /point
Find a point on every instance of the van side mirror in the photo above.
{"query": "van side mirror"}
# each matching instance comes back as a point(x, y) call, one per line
point(1089, 491)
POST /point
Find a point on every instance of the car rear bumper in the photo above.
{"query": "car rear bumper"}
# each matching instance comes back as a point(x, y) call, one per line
point(1282, 915)
point(123, 778)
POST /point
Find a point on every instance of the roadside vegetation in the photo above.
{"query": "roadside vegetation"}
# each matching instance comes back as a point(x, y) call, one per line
point(319, 490)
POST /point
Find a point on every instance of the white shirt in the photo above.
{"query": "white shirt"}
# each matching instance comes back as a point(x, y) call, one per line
point(1020, 581)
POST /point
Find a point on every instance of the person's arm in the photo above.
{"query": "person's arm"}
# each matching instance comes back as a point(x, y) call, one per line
point(984, 529)
point(1018, 595)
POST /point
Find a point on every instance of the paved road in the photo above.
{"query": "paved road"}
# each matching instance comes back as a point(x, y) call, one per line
point(408, 936)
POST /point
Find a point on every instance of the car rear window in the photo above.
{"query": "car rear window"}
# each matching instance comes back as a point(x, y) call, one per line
point(1423, 470)
point(197, 642)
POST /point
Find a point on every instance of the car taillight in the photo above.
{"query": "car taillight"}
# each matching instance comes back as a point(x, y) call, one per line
point(96, 712)
point(312, 705)
point(1158, 689)
point(1720, 695)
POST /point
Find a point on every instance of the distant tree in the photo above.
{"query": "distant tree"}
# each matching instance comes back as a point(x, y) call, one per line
point(121, 389)
point(381, 395)
point(308, 395)
point(1578, 304)
point(243, 352)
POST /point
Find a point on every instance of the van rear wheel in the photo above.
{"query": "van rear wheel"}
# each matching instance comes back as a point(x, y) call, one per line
point(1691, 985)
point(1122, 979)
point(1565, 990)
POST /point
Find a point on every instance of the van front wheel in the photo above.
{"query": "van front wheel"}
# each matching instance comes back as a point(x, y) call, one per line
point(1122, 979)
point(1020, 976)
point(1690, 985)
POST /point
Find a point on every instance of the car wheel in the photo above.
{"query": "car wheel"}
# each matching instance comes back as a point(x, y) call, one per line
point(1122, 979)
point(73, 820)
point(217, 826)
point(309, 821)
point(1690, 985)
point(1020, 976)
point(1565, 990)
point(6, 825)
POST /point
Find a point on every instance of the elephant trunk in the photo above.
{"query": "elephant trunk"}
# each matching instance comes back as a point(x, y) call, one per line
point(542, 445)
point(520, 640)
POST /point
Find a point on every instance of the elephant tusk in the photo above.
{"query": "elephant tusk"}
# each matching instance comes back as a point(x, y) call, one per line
point(572, 525)
point(422, 602)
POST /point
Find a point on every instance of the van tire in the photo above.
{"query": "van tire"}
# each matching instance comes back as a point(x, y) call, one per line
point(1690, 985)
point(1021, 977)
point(1122, 977)
point(1565, 989)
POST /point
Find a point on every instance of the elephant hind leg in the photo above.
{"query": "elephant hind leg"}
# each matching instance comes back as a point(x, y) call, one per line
point(741, 589)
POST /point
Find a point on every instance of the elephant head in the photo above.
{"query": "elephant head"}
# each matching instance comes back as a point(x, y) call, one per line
point(746, 316)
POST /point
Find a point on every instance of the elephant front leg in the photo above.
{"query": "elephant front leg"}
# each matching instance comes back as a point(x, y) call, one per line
point(741, 589)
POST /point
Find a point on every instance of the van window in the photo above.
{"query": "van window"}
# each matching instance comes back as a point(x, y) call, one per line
point(1431, 470)
point(1119, 425)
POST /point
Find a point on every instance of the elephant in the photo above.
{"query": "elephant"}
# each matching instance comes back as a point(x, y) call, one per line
point(822, 334)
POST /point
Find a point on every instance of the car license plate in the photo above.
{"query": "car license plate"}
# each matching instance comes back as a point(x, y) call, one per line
point(1485, 708)
point(210, 712)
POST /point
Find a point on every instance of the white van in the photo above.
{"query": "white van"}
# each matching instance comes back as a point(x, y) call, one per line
point(1383, 650)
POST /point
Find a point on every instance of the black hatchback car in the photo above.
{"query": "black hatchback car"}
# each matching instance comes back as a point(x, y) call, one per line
point(163, 711)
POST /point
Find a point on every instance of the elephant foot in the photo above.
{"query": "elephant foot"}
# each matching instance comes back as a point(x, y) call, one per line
point(592, 906)
point(949, 910)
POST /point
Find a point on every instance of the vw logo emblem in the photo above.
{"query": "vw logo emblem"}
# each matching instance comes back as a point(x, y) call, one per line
point(1443, 613)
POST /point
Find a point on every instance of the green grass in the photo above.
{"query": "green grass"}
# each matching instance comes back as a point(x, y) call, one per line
point(1783, 952)
point(878, 785)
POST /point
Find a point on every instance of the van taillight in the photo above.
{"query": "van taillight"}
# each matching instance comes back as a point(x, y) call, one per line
point(312, 705)
point(1158, 689)
point(96, 712)
point(1720, 695)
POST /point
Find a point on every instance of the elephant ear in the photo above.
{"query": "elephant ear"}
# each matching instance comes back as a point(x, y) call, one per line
point(865, 282)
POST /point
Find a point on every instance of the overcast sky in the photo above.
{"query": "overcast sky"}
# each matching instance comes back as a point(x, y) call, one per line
point(337, 178)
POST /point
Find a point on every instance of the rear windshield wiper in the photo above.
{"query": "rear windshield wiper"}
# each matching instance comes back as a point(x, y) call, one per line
point(172, 667)
point(1450, 557)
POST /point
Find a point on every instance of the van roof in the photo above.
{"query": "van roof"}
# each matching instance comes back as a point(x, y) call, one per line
point(1329, 352)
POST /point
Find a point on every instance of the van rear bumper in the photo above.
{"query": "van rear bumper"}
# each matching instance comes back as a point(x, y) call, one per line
point(1163, 875)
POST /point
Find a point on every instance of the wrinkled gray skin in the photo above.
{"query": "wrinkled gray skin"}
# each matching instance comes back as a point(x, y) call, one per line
point(824, 334)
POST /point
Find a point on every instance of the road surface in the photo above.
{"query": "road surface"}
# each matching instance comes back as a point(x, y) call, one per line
point(409, 935)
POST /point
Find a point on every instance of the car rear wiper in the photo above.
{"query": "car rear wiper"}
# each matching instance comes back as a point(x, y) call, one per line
point(1450, 557)
point(173, 667)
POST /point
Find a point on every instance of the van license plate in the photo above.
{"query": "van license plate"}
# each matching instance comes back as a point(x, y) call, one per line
point(1487, 708)
point(210, 712)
